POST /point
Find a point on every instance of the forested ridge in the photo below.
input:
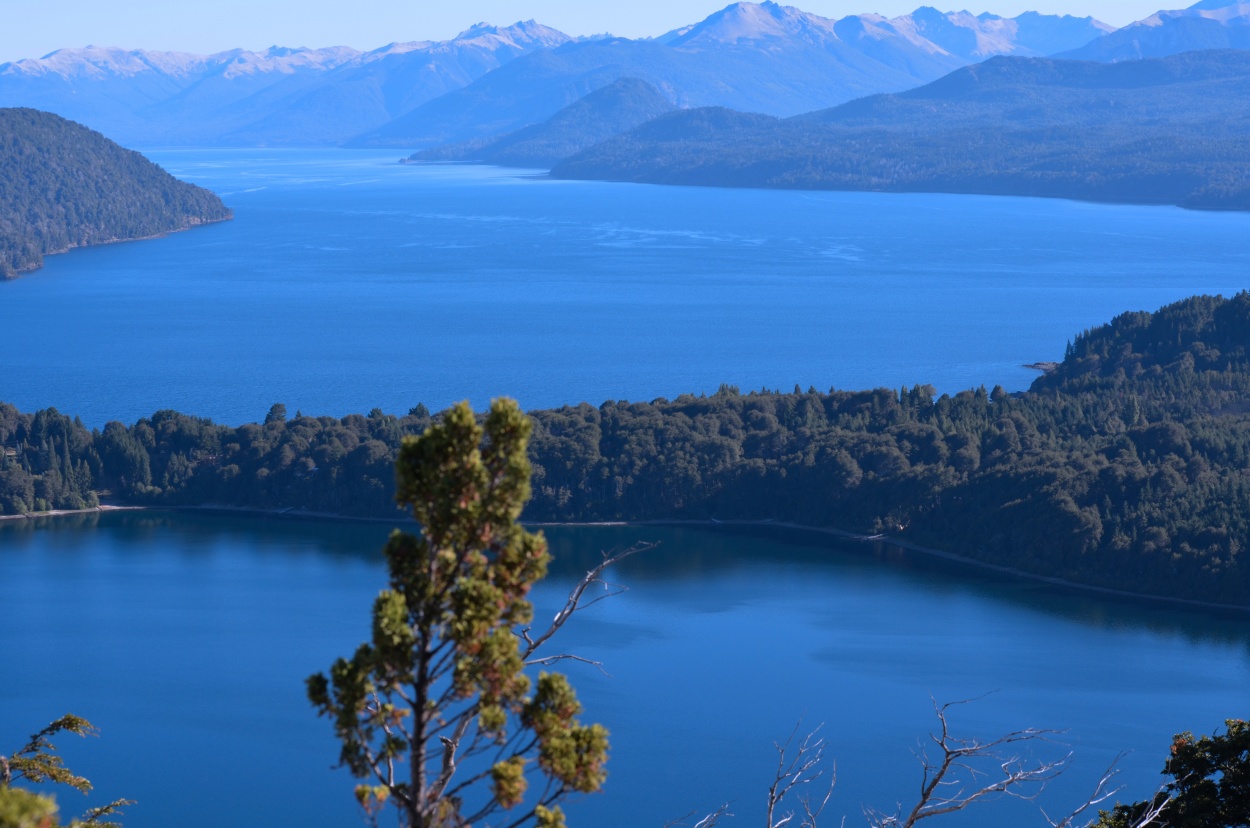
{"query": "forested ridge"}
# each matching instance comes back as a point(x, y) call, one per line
point(1163, 131)
point(604, 113)
point(63, 185)
point(1127, 467)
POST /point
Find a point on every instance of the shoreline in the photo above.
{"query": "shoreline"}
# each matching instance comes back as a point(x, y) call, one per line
point(827, 531)
point(191, 225)
point(103, 507)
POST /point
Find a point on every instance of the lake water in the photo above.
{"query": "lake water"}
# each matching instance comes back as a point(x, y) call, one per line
point(186, 638)
point(348, 281)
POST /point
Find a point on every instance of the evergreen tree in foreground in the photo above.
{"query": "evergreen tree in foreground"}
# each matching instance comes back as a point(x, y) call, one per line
point(1209, 785)
point(437, 713)
point(37, 763)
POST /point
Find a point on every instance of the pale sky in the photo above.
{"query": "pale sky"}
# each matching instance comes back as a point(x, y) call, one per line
point(32, 28)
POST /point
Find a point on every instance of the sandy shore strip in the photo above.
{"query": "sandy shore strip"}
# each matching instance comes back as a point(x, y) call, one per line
point(103, 507)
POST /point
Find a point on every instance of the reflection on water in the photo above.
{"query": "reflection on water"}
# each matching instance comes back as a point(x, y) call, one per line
point(186, 636)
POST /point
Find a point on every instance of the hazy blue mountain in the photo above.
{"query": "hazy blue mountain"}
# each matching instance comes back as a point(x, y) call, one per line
point(120, 92)
point(974, 38)
point(280, 96)
point(63, 185)
point(1167, 131)
point(1210, 24)
point(380, 85)
point(604, 113)
point(757, 57)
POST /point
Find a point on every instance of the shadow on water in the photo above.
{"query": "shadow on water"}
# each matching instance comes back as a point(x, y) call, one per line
point(701, 554)
point(684, 555)
point(197, 532)
point(728, 635)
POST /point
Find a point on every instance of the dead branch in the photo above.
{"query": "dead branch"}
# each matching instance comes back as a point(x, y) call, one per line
point(552, 659)
point(799, 769)
point(574, 602)
point(709, 821)
point(1103, 792)
point(957, 778)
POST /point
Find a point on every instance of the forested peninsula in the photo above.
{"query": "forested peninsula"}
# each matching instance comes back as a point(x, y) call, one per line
point(63, 185)
point(1165, 131)
point(1126, 467)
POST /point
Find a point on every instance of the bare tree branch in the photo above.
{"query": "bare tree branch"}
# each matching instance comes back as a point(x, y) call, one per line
point(709, 821)
point(957, 778)
point(799, 769)
point(450, 745)
point(552, 659)
point(574, 602)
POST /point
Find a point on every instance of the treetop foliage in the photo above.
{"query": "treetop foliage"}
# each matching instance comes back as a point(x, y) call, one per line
point(37, 763)
point(1209, 785)
point(442, 684)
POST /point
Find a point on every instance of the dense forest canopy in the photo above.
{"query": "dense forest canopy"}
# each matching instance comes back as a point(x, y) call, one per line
point(63, 185)
point(1126, 467)
point(1165, 131)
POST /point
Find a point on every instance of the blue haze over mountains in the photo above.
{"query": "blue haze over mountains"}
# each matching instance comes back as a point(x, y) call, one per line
point(489, 80)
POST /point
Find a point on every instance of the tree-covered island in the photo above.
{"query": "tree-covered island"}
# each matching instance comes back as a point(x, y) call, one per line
point(1126, 467)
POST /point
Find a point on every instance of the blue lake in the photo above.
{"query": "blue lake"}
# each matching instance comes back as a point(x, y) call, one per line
point(186, 638)
point(348, 281)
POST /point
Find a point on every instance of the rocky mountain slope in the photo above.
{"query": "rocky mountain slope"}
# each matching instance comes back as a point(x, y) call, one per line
point(488, 81)
point(753, 57)
point(1209, 24)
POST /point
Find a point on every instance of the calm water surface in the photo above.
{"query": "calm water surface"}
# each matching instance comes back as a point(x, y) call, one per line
point(348, 281)
point(187, 638)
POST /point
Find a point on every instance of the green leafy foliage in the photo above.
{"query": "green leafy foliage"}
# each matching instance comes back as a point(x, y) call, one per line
point(23, 809)
point(442, 684)
point(1209, 785)
point(37, 763)
point(63, 185)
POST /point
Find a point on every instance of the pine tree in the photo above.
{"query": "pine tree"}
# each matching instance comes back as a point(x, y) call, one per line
point(442, 685)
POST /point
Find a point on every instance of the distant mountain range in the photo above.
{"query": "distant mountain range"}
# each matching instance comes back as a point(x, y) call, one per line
point(1210, 24)
point(753, 57)
point(1159, 131)
point(63, 185)
point(489, 81)
point(277, 97)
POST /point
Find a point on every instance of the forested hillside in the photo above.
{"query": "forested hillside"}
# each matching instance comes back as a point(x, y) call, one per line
point(1127, 467)
point(603, 114)
point(1167, 131)
point(63, 185)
